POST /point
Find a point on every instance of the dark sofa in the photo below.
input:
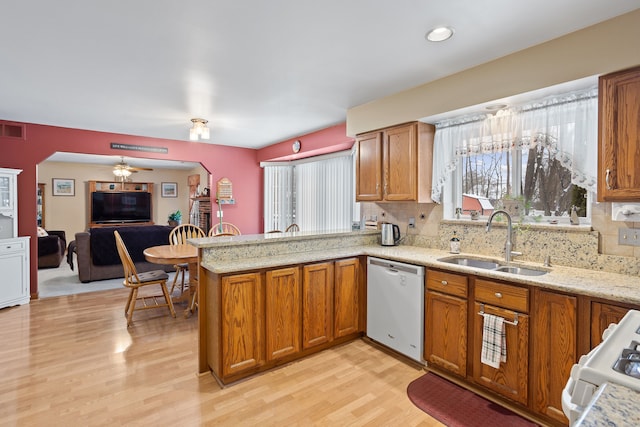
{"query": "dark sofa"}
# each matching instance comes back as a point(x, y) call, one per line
point(51, 249)
point(98, 258)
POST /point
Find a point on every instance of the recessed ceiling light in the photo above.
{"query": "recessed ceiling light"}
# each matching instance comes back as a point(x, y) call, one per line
point(439, 34)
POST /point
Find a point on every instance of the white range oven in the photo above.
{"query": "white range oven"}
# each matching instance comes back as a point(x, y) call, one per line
point(615, 360)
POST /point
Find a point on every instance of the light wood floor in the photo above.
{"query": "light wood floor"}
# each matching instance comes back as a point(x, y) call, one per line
point(71, 361)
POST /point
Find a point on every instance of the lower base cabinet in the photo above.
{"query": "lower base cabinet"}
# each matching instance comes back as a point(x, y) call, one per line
point(242, 323)
point(282, 312)
point(14, 264)
point(511, 380)
point(317, 304)
point(602, 315)
point(275, 316)
point(445, 314)
point(348, 303)
point(554, 347)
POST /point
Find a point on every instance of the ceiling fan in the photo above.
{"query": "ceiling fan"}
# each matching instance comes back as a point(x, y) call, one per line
point(122, 170)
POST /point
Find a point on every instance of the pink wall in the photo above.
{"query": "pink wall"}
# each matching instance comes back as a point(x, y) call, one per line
point(237, 164)
point(324, 141)
point(240, 165)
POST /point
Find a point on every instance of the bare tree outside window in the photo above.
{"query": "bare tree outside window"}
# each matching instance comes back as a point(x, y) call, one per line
point(545, 183)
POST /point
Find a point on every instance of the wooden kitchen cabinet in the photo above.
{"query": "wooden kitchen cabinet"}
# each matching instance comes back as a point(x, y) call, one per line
point(445, 340)
point(511, 303)
point(242, 323)
point(394, 164)
point(347, 298)
point(602, 315)
point(554, 347)
point(369, 167)
point(282, 312)
point(619, 136)
point(317, 304)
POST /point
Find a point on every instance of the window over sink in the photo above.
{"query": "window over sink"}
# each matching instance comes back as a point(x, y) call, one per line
point(542, 155)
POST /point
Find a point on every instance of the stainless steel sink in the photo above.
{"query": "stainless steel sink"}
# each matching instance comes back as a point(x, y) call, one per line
point(471, 262)
point(520, 270)
point(493, 265)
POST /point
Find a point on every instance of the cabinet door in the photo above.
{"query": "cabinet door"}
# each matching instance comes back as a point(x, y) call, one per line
point(317, 304)
point(242, 323)
point(602, 315)
point(554, 350)
point(512, 378)
point(619, 136)
point(369, 167)
point(400, 163)
point(446, 332)
point(346, 298)
point(282, 310)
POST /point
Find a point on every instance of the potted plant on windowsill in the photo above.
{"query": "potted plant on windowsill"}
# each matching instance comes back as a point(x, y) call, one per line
point(175, 218)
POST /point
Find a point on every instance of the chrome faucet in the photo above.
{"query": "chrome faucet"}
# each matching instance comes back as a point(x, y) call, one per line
point(508, 244)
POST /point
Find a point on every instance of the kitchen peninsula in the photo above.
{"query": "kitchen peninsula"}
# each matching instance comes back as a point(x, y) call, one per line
point(269, 299)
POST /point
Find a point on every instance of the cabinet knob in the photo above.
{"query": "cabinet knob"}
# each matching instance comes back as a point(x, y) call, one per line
point(606, 179)
point(498, 295)
point(444, 282)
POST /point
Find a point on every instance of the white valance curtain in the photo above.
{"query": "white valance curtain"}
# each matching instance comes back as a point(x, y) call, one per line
point(566, 124)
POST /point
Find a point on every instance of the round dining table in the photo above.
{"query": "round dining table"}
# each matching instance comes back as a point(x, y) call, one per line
point(178, 254)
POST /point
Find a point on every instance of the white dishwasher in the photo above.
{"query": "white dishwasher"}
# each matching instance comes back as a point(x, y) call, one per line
point(395, 306)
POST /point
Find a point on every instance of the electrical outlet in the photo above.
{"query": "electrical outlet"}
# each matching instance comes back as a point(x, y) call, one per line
point(219, 214)
point(412, 222)
point(629, 236)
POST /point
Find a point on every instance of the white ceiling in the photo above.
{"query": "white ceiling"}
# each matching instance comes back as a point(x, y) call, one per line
point(259, 71)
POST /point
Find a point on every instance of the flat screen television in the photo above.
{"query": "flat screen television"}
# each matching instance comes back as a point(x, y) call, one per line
point(119, 207)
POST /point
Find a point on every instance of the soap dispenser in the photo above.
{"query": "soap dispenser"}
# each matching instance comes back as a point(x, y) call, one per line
point(455, 244)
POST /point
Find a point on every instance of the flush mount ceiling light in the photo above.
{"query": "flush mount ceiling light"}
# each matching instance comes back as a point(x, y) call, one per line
point(199, 130)
point(439, 34)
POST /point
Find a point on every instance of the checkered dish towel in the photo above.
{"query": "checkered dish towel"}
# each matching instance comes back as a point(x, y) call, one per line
point(494, 341)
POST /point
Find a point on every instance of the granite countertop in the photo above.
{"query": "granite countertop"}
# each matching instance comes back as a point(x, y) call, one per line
point(612, 405)
point(610, 286)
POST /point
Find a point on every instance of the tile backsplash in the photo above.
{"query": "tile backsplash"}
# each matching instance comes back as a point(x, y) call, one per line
point(593, 247)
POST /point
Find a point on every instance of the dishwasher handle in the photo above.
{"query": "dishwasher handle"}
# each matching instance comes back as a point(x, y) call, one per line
point(396, 266)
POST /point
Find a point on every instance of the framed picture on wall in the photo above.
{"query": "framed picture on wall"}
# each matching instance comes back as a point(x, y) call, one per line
point(64, 187)
point(169, 189)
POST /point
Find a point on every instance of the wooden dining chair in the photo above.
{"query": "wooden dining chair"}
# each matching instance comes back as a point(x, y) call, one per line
point(135, 281)
point(292, 227)
point(194, 297)
point(224, 228)
point(179, 236)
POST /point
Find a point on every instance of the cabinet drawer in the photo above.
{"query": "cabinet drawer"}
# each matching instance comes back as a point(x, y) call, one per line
point(10, 247)
point(502, 295)
point(448, 283)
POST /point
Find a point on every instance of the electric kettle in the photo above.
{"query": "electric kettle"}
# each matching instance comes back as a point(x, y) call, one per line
point(390, 234)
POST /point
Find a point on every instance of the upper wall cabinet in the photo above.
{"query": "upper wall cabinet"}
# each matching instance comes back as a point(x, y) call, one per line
point(394, 164)
point(619, 136)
